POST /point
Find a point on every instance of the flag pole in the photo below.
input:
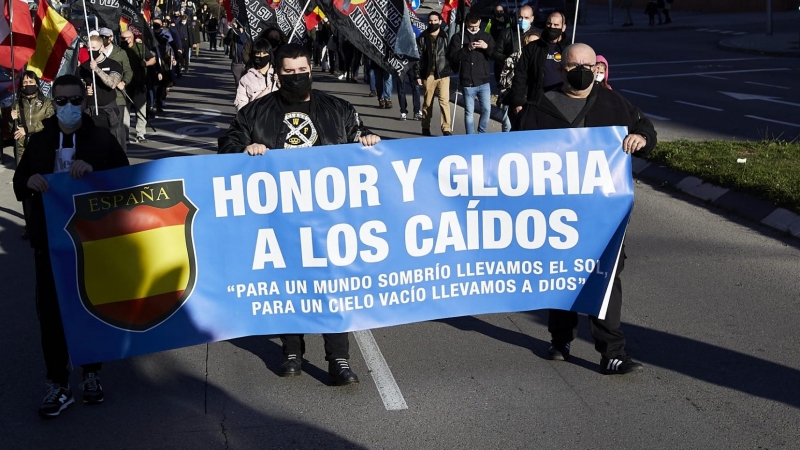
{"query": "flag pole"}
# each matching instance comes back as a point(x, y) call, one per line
point(13, 70)
point(455, 103)
point(91, 57)
point(575, 21)
point(299, 18)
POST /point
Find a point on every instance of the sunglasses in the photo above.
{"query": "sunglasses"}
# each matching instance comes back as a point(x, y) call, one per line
point(76, 100)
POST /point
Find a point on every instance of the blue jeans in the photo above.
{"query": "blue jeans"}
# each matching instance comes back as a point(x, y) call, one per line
point(373, 69)
point(386, 79)
point(506, 120)
point(483, 92)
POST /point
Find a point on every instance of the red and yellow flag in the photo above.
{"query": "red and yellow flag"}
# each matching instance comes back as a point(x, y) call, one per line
point(314, 17)
point(54, 34)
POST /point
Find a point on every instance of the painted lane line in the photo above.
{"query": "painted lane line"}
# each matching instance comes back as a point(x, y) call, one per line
point(639, 93)
point(384, 380)
point(767, 85)
point(712, 76)
point(653, 116)
point(699, 106)
point(774, 121)
point(687, 61)
point(694, 74)
point(739, 96)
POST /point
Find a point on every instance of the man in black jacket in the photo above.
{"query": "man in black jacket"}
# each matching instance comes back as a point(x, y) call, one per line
point(433, 72)
point(537, 70)
point(581, 102)
point(471, 51)
point(297, 116)
point(69, 142)
point(507, 51)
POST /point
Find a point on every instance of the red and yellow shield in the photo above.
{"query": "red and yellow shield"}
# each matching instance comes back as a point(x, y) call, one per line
point(136, 259)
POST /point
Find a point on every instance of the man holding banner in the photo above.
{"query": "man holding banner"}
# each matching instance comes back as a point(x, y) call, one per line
point(580, 102)
point(296, 117)
point(69, 142)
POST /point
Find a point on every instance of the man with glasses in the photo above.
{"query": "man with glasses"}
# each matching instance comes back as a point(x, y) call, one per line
point(580, 102)
point(69, 142)
point(471, 52)
point(537, 70)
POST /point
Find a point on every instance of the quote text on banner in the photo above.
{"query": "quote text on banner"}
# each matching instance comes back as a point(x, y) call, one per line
point(190, 250)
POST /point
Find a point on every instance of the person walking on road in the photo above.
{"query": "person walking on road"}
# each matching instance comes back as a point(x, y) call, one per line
point(71, 143)
point(472, 53)
point(212, 27)
point(581, 102)
point(140, 59)
point(433, 73)
point(298, 116)
point(259, 79)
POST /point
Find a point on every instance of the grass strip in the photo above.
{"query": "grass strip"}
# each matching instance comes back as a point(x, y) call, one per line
point(771, 172)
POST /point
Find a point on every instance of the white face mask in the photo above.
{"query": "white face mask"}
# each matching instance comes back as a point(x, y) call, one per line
point(599, 77)
point(472, 32)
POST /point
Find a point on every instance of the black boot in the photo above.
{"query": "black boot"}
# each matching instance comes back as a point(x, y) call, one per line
point(291, 366)
point(340, 373)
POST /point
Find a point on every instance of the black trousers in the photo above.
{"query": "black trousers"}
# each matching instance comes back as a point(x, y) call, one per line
point(609, 340)
point(337, 345)
point(54, 344)
point(212, 41)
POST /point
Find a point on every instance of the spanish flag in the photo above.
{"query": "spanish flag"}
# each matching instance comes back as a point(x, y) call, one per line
point(54, 34)
point(313, 18)
point(137, 265)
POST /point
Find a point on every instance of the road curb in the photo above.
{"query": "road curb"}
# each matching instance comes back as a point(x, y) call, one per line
point(725, 45)
point(742, 204)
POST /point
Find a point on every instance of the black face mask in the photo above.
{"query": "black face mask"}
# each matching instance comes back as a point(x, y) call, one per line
point(260, 61)
point(274, 42)
point(123, 44)
point(30, 89)
point(295, 87)
point(434, 27)
point(499, 15)
point(551, 34)
point(95, 54)
point(580, 78)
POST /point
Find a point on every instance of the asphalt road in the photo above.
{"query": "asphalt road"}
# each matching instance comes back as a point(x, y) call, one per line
point(711, 307)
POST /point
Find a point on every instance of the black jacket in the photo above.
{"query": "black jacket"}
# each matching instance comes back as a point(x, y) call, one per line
point(473, 66)
point(529, 71)
point(261, 122)
point(606, 108)
point(424, 67)
point(93, 145)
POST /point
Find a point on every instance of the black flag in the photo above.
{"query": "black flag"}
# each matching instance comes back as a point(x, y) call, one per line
point(290, 14)
point(132, 18)
point(107, 12)
point(381, 29)
point(255, 15)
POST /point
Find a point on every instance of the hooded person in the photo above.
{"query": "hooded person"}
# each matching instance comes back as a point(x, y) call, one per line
point(601, 74)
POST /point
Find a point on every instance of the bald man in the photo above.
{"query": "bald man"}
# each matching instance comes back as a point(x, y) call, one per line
point(509, 44)
point(140, 58)
point(581, 102)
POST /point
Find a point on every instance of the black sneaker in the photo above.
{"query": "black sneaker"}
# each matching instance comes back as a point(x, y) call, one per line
point(447, 133)
point(292, 366)
point(92, 391)
point(619, 366)
point(426, 131)
point(340, 373)
point(381, 103)
point(57, 399)
point(558, 352)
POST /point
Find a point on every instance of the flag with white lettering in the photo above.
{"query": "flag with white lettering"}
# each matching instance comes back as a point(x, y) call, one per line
point(255, 15)
point(108, 13)
point(184, 251)
point(381, 29)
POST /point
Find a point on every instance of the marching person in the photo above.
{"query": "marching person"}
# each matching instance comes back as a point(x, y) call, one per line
point(140, 59)
point(260, 79)
point(271, 123)
point(108, 74)
point(581, 102)
point(472, 51)
point(507, 52)
point(117, 54)
point(29, 112)
point(433, 72)
point(69, 142)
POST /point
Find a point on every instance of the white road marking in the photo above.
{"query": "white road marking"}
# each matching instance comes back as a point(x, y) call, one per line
point(767, 85)
point(765, 98)
point(699, 106)
point(639, 93)
point(774, 121)
point(712, 76)
point(694, 74)
point(653, 116)
point(687, 61)
point(384, 380)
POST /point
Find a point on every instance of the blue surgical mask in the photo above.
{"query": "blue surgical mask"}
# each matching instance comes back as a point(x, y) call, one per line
point(69, 115)
point(524, 24)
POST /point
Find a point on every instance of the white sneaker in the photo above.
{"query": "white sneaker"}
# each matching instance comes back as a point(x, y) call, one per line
point(403, 116)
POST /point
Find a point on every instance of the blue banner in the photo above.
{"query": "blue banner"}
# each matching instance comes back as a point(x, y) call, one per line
point(184, 251)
